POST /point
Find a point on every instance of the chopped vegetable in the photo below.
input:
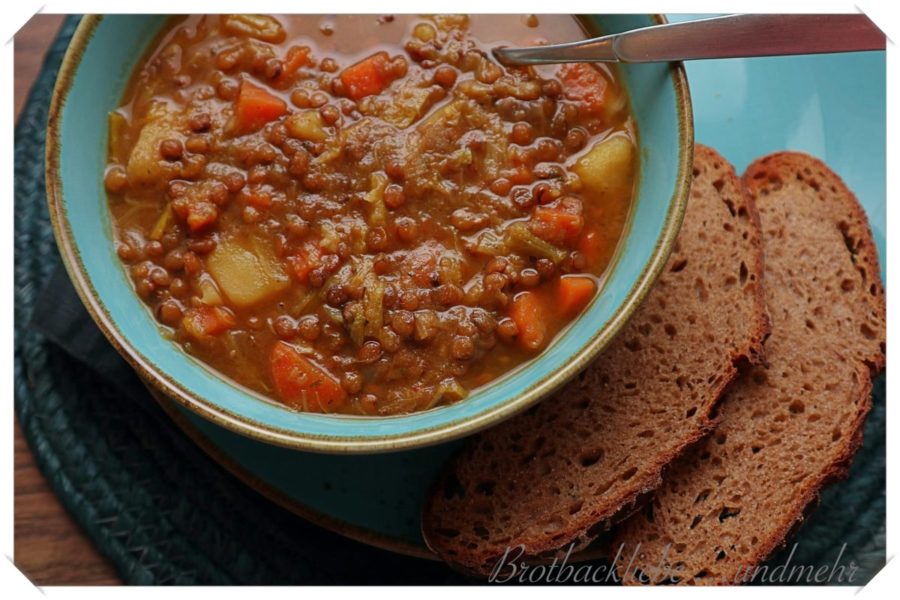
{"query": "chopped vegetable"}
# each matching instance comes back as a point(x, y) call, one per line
point(374, 309)
point(306, 125)
point(301, 383)
point(296, 58)
point(521, 89)
point(305, 261)
point(362, 269)
point(521, 239)
point(159, 228)
point(426, 322)
point(556, 226)
point(330, 238)
point(357, 132)
point(585, 84)
point(377, 184)
point(451, 22)
point(574, 293)
point(476, 90)
point(261, 27)
point(368, 77)
point(358, 239)
point(118, 125)
point(450, 269)
point(607, 170)
point(424, 32)
point(246, 271)
point(256, 107)
point(144, 164)
point(357, 325)
point(450, 390)
point(201, 215)
point(334, 314)
point(528, 315)
point(489, 244)
point(406, 106)
point(196, 206)
point(204, 322)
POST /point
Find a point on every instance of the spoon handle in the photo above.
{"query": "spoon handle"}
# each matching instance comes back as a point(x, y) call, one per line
point(732, 36)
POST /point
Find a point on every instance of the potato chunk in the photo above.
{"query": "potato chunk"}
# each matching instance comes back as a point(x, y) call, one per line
point(261, 27)
point(607, 170)
point(408, 103)
point(306, 125)
point(246, 271)
point(145, 164)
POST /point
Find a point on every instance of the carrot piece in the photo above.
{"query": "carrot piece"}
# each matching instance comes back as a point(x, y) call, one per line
point(556, 226)
point(204, 322)
point(255, 107)
point(301, 383)
point(575, 292)
point(526, 312)
point(305, 261)
point(296, 57)
point(201, 215)
point(585, 84)
point(368, 77)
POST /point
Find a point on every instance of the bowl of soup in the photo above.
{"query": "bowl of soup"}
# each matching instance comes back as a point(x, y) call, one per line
point(360, 233)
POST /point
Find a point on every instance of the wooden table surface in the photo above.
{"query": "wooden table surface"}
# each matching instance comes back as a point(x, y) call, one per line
point(50, 548)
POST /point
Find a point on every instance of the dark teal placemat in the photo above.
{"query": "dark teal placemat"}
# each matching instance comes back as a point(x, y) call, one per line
point(164, 513)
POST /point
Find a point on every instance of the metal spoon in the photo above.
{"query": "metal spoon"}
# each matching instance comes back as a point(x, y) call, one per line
point(732, 36)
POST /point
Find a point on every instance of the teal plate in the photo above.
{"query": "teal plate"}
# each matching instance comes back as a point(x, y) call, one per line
point(831, 106)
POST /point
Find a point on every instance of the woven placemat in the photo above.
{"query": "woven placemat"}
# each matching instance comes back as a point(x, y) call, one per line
point(164, 513)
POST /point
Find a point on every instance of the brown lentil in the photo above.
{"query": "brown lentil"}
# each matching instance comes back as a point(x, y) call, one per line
point(170, 312)
point(171, 149)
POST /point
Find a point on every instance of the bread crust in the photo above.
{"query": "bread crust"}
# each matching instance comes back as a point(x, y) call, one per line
point(763, 179)
point(600, 512)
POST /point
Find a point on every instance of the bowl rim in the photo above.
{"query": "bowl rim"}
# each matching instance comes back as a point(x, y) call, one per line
point(338, 444)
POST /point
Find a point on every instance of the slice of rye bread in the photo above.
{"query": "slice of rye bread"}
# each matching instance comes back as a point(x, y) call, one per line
point(561, 473)
point(792, 425)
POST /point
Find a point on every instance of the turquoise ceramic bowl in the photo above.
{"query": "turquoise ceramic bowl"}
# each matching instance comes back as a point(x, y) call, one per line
point(103, 53)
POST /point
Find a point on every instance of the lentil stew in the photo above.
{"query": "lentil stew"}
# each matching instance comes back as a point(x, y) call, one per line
point(367, 215)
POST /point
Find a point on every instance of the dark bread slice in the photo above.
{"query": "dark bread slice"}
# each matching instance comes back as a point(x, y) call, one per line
point(792, 425)
point(562, 472)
